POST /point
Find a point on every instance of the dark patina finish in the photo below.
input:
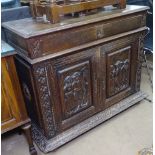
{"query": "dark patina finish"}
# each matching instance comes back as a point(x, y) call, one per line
point(80, 72)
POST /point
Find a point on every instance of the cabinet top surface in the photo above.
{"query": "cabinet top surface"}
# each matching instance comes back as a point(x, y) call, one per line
point(29, 28)
point(6, 49)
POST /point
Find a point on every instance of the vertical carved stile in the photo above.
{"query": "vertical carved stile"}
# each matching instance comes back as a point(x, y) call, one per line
point(40, 73)
point(103, 79)
point(139, 60)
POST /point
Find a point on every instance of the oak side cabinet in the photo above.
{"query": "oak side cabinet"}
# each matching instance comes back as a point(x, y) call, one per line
point(13, 111)
point(80, 72)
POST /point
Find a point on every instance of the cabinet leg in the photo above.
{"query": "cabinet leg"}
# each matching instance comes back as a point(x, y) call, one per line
point(27, 130)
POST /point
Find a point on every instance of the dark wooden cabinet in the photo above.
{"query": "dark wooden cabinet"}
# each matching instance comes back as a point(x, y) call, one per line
point(78, 73)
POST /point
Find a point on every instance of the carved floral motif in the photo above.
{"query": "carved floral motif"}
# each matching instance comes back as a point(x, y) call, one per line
point(76, 93)
point(35, 47)
point(45, 101)
point(100, 31)
point(119, 75)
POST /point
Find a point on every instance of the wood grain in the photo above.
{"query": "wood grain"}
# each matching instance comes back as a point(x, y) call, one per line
point(71, 73)
point(12, 105)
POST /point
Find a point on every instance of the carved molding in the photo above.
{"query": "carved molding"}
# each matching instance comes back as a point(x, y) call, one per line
point(40, 73)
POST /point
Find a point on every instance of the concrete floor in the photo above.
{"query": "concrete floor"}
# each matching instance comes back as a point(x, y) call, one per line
point(125, 134)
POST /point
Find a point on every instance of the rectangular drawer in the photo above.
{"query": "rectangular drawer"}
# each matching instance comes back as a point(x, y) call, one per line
point(62, 40)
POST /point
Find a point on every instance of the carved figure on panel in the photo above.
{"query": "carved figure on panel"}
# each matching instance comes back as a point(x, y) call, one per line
point(76, 94)
point(119, 76)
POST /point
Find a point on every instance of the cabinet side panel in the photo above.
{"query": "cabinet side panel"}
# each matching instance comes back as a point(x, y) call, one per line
point(27, 85)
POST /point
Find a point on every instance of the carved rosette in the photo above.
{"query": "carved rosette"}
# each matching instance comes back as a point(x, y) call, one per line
point(40, 73)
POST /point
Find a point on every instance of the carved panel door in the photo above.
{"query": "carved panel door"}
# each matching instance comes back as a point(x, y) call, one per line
point(120, 61)
point(76, 86)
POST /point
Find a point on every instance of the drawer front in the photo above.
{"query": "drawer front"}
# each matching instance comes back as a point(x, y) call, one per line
point(62, 40)
point(120, 63)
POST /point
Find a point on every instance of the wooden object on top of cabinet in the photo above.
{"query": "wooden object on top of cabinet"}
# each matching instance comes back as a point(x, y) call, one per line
point(12, 105)
point(52, 10)
point(80, 72)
